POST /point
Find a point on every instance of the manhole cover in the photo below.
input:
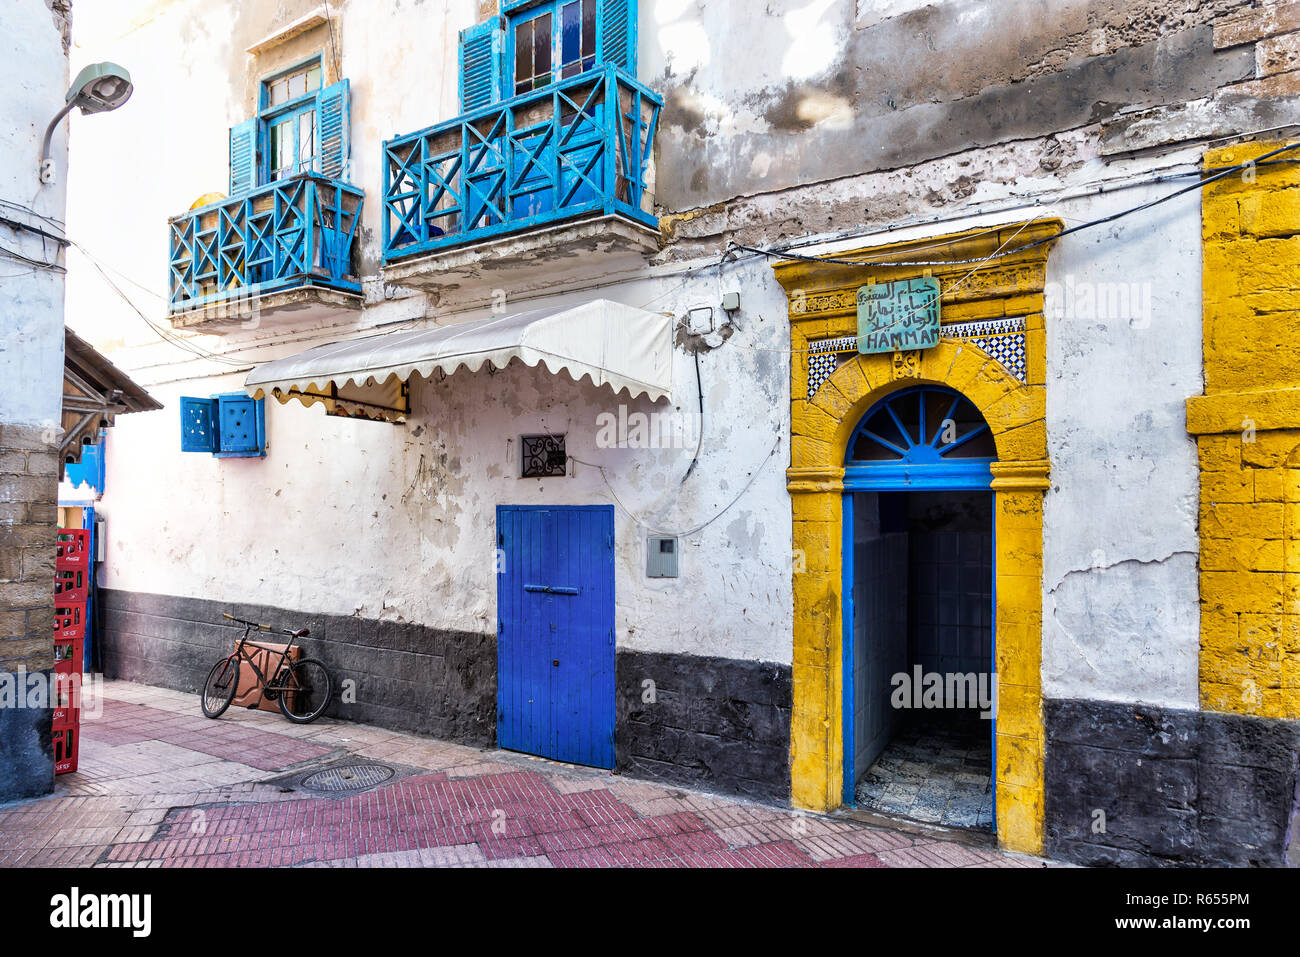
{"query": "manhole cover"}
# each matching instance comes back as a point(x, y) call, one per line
point(354, 777)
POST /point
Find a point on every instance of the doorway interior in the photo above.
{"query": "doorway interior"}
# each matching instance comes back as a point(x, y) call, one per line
point(919, 691)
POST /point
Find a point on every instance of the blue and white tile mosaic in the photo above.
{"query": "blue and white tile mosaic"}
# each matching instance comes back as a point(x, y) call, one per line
point(1003, 339)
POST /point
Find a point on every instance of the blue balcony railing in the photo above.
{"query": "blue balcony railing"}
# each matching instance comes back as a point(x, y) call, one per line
point(291, 234)
point(580, 147)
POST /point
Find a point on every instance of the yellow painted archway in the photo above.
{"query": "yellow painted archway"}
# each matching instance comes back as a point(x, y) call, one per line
point(1001, 294)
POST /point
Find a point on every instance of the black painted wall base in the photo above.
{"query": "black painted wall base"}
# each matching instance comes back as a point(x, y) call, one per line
point(1131, 785)
point(406, 677)
point(26, 750)
point(720, 724)
point(715, 723)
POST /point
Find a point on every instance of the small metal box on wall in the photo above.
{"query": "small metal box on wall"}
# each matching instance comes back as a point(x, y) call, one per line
point(661, 556)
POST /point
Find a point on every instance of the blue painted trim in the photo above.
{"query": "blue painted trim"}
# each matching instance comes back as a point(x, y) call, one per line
point(259, 425)
point(993, 662)
point(846, 648)
point(601, 590)
point(90, 469)
point(263, 93)
point(930, 475)
point(922, 461)
point(945, 476)
point(471, 192)
point(88, 613)
point(265, 240)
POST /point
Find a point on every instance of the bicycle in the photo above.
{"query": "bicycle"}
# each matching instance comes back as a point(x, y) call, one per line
point(302, 688)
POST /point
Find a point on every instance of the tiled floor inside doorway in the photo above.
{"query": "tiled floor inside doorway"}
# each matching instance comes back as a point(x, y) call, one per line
point(935, 769)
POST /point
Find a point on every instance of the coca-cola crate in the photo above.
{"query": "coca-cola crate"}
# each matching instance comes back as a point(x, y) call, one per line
point(65, 709)
point(69, 653)
point(68, 622)
point(71, 587)
point(66, 741)
point(72, 548)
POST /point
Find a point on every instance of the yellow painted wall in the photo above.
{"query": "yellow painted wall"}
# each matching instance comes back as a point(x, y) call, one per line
point(1247, 428)
point(823, 304)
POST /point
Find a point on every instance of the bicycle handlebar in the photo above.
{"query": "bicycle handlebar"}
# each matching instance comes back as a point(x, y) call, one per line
point(245, 621)
point(253, 624)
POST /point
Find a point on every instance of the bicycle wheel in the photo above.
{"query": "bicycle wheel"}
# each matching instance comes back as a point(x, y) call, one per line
point(219, 689)
point(307, 691)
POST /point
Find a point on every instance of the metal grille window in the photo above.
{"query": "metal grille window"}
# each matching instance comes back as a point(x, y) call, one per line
point(544, 456)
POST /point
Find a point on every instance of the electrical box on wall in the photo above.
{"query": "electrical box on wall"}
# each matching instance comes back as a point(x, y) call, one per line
point(661, 556)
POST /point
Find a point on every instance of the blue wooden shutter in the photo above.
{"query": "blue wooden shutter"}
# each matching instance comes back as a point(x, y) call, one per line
point(481, 52)
point(618, 34)
point(243, 157)
point(237, 423)
point(333, 120)
point(198, 432)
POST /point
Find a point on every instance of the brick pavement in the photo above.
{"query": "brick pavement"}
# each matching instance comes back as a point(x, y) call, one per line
point(161, 786)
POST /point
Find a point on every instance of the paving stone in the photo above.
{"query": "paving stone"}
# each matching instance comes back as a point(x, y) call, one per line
point(160, 786)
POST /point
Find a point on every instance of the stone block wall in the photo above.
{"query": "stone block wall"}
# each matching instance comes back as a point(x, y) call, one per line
point(29, 479)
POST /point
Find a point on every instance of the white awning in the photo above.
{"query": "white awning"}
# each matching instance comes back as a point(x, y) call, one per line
point(611, 344)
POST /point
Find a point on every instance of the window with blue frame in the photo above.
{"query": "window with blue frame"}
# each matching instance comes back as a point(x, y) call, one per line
point(230, 425)
point(289, 111)
point(301, 126)
point(555, 41)
point(544, 41)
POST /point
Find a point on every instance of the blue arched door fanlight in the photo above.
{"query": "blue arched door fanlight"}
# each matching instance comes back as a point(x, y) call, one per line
point(920, 437)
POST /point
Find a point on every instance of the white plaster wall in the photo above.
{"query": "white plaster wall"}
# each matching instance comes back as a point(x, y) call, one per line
point(34, 78)
point(342, 517)
point(387, 521)
point(1120, 602)
point(169, 145)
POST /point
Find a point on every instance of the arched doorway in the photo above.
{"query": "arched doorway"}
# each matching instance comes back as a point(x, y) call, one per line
point(918, 616)
point(828, 400)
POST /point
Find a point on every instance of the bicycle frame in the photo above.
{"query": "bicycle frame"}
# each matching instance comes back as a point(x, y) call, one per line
point(239, 655)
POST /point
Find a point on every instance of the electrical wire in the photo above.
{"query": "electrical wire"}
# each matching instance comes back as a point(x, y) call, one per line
point(1200, 184)
point(753, 477)
point(37, 263)
point(329, 20)
point(179, 342)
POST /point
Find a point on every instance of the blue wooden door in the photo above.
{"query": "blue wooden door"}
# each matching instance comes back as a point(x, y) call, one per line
point(555, 632)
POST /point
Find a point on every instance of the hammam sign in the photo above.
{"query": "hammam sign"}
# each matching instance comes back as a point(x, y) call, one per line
point(898, 316)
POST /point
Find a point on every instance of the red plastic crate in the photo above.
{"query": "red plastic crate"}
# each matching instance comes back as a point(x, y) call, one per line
point(68, 623)
point(65, 749)
point(72, 548)
point(69, 654)
point(65, 709)
point(71, 587)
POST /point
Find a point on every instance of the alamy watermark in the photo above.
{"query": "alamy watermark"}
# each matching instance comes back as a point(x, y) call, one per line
point(41, 691)
point(1130, 302)
point(647, 430)
point(922, 689)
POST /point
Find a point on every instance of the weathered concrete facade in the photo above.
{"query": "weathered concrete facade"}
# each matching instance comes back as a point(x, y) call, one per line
point(832, 129)
point(35, 75)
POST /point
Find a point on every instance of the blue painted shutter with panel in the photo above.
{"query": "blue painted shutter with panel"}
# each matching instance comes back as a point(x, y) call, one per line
point(237, 424)
point(333, 121)
point(243, 157)
point(618, 34)
point(481, 52)
point(198, 432)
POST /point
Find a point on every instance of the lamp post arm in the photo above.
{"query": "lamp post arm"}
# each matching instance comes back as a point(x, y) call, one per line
point(45, 171)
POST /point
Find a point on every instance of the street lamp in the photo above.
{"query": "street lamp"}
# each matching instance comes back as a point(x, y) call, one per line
point(98, 88)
